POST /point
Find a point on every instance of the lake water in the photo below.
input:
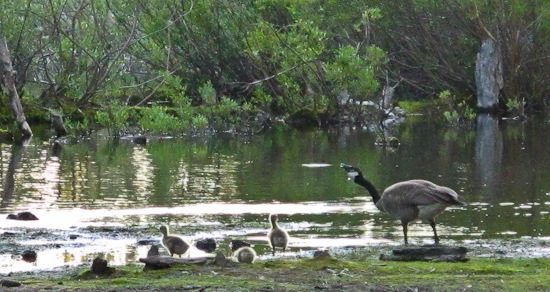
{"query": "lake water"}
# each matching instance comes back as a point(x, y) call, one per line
point(101, 195)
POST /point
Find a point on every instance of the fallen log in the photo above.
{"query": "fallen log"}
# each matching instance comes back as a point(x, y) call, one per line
point(166, 260)
point(427, 253)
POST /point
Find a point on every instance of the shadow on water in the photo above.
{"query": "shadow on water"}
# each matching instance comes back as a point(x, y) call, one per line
point(102, 196)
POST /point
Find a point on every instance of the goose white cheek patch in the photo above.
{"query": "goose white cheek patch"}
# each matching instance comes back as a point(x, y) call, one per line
point(352, 175)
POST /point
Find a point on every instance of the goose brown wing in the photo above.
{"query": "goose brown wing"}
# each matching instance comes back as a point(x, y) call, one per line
point(421, 192)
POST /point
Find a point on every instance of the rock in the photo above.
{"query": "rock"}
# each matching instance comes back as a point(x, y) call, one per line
point(236, 244)
point(220, 260)
point(24, 216)
point(9, 283)
point(153, 251)
point(321, 254)
point(207, 245)
point(29, 256)
point(99, 266)
point(157, 266)
point(73, 236)
point(147, 242)
point(387, 142)
point(142, 140)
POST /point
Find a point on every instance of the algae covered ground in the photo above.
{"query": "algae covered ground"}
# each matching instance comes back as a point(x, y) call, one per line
point(356, 271)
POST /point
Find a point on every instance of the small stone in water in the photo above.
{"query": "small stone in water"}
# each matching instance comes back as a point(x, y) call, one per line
point(29, 256)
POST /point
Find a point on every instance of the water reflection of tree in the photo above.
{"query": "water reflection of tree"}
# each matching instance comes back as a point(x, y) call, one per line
point(488, 152)
point(17, 151)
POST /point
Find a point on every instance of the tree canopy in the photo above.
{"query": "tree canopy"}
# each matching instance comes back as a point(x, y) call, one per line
point(175, 65)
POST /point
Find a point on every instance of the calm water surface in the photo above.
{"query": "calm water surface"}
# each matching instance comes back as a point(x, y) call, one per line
point(107, 194)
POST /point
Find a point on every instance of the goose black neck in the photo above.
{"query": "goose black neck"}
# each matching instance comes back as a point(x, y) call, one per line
point(360, 180)
point(274, 222)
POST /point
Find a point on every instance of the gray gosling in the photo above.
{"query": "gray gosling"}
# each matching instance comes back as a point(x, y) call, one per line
point(245, 255)
point(409, 200)
point(277, 236)
point(173, 243)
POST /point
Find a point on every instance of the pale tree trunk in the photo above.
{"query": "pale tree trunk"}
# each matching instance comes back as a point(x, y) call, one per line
point(489, 79)
point(8, 80)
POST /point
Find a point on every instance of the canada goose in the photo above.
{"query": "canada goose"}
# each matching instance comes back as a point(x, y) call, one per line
point(409, 200)
point(277, 236)
point(173, 243)
point(245, 254)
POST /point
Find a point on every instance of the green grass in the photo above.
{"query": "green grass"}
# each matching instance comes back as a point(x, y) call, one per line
point(306, 274)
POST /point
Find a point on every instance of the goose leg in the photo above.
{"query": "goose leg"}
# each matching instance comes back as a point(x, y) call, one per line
point(432, 223)
point(405, 227)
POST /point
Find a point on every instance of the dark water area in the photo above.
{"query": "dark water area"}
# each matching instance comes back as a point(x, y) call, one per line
point(101, 195)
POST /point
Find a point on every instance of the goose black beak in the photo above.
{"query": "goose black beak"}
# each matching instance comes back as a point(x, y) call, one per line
point(347, 167)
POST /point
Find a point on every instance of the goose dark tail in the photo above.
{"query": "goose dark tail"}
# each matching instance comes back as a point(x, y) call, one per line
point(459, 203)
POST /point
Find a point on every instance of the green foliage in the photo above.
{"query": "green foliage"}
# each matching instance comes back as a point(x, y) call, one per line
point(459, 113)
point(355, 73)
point(226, 59)
point(208, 93)
point(199, 122)
point(157, 120)
point(515, 105)
point(114, 117)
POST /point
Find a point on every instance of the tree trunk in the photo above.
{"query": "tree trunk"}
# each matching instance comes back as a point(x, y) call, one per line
point(489, 79)
point(57, 122)
point(8, 78)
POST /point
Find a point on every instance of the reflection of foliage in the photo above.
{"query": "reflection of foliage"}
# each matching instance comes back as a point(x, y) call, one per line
point(68, 257)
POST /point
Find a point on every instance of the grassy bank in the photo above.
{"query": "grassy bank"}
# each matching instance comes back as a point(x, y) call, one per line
point(357, 274)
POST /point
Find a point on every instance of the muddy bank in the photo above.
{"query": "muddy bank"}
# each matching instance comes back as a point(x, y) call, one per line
point(349, 270)
point(57, 248)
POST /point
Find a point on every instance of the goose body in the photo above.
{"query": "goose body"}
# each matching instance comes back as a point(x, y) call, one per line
point(409, 200)
point(173, 243)
point(277, 236)
point(245, 254)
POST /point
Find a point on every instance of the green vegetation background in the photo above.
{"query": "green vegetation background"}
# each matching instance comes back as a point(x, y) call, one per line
point(180, 66)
